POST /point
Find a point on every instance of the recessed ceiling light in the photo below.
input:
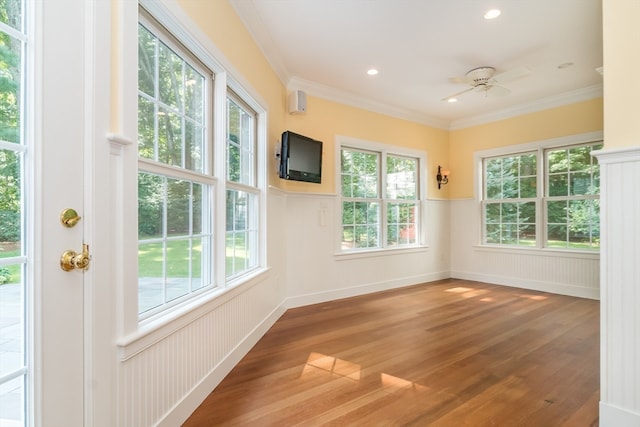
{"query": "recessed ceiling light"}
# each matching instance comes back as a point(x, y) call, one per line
point(372, 72)
point(452, 100)
point(565, 65)
point(492, 14)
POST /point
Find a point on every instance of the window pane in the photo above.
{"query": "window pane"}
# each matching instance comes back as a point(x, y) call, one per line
point(510, 223)
point(362, 168)
point(492, 213)
point(242, 232)
point(150, 276)
point(169, 138)
point(401, 224)
point(170, 78)
point(194, 147)
point(200, 246)
point(178, 259)
point(528, 187)
point(10, 79)
point(557, 212)
point(146, 61)
point(146, 128)
point(171, 106)
point(363, 231)
point(150, 205)
point(169, 268)
point(510, 177)
point(194, 95)
point(401, 178)
point(528, 165)
point(10, 198)
point(492, 233)
point(558, 185)
point(580, 183)
point(240, 144)
point(557, 235)
point(12, 400)
point(178, 207)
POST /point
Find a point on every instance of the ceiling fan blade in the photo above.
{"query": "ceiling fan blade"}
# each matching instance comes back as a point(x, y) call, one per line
point(495, 91)
point(510, 75)
point(455, 95)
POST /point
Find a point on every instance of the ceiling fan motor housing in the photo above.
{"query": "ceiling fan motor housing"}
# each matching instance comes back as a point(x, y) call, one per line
point(480, 76)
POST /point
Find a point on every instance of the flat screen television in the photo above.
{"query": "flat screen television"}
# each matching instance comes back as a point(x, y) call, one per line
point(300, 158)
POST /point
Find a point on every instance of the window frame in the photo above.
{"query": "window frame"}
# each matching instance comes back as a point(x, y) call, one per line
point(541, 148)
point(383, 151)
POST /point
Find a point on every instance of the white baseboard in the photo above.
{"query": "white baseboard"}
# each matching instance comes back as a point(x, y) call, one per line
point(556, 288)
point(189, 403)
point(319, 297)
point(613, 416)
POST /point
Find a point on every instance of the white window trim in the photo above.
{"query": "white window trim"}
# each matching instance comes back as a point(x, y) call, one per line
point(540, 147)
point(384, 150)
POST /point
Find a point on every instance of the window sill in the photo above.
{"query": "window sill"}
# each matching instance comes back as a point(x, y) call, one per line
point(154, 329)
point(370, 253)
point(550, 252)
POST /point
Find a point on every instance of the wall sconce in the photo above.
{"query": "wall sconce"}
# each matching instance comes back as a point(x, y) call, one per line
point(442, 177)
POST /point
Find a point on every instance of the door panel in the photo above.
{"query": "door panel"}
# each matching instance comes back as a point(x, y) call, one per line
point(61, 132)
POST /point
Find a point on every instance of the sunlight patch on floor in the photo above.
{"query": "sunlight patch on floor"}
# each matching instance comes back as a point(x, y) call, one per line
point(467, 292)
point(534, 297)
point(392, 384)
point(331, 366)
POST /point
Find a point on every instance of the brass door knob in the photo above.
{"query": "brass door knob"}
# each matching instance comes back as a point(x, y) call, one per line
point(71, 260)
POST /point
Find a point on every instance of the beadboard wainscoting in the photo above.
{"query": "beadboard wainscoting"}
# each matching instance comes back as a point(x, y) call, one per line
point(620, 296)
point(557, 271)
point(317, 271)
point(165, 374)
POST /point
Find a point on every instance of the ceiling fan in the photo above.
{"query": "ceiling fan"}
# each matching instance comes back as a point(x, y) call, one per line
point(485, 80)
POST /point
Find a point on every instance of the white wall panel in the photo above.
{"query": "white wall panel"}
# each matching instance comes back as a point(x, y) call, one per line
point(562, 272)
point(316, 271)
point(620, 296)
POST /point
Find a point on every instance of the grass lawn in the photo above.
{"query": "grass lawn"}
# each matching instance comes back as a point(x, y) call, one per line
point(150, 256)
point(14, 269)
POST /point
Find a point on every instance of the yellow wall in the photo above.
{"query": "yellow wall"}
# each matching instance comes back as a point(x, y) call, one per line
point(581, 117)
point(621, 39)
point(219, 21)
point(324, 120)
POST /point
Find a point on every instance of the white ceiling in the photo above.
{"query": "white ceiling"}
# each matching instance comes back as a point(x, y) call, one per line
point(325, 47)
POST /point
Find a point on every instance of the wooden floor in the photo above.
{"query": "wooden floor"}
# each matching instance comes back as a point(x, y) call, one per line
point(448, 353)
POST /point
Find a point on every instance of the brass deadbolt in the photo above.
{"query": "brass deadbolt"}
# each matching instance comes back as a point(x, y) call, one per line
point(69, 217)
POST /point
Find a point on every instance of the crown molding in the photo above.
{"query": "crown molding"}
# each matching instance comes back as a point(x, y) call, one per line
point(578, 95)
point(348, 98)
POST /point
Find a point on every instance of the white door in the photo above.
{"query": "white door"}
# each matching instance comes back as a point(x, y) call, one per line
point(47, 313)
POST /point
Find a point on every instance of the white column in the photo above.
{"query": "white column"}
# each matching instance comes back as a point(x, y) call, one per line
point(620, 287)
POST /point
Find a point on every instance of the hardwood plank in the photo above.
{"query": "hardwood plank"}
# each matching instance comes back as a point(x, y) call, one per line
point(447, 353)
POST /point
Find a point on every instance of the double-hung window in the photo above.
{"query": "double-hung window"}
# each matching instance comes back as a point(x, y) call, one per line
point(547, 197)
point(380, 199)
point(175, 182)
point(572, 201)
point(187, 203)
